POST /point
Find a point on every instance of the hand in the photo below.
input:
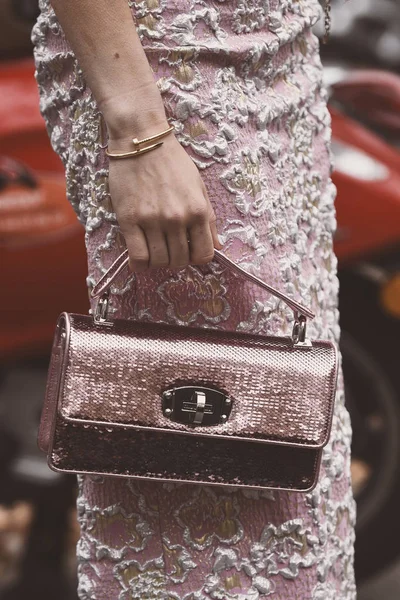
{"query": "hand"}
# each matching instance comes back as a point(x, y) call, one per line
point(160, 201)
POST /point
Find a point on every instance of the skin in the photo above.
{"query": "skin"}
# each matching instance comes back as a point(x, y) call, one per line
point(159, 197)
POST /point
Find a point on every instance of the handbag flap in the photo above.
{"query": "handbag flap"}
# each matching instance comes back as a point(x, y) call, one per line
point(116, 376)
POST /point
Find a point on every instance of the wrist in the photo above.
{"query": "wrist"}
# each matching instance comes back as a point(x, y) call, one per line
point(138, 114)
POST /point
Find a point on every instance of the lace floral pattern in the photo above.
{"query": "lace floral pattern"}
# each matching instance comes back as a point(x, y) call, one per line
point(241, 81)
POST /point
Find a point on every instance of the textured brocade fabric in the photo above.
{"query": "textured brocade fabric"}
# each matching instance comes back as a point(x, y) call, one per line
point(241, 80)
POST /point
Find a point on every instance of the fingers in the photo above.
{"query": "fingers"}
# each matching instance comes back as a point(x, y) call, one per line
point(174, 240)
point(201, 242)
point(214, 233)
point(178, 248)
point(174, 248)
point(158, 248)
point(212, 219)
point(137, 248)
point(152, 248)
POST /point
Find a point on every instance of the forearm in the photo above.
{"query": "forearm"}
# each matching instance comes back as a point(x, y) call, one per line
point(103, 36)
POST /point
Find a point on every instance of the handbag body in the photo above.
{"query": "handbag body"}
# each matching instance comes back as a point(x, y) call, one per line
point(188, 404)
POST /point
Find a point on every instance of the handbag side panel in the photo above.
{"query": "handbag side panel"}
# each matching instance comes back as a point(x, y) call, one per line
point(48, 415)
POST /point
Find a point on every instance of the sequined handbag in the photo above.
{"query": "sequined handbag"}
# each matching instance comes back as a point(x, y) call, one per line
point(190, 404)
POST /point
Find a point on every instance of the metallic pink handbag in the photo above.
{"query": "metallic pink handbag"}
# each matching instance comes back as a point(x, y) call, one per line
point(188, 404)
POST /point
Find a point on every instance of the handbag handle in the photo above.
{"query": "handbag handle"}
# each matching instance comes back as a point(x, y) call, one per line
point(123, 260)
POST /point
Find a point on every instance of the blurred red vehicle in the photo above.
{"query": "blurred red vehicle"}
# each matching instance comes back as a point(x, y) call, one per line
point(42, 253)
point(367, 168)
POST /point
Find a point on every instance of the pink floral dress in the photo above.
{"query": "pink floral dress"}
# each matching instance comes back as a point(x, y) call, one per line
point(241, 81)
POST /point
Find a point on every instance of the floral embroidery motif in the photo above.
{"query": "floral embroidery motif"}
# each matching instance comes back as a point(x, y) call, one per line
point(206, 517)
point(141, 581)
point(180, 559)
point(194, 295)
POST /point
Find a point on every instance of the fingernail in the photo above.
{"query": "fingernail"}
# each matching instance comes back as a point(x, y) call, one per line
point(220, 239)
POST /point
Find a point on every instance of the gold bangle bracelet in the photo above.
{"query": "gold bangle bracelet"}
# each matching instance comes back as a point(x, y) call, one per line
point(137, 145)
point(134, 152)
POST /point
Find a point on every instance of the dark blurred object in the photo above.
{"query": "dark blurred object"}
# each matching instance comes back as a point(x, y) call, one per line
point(367, 176)
point(33, 556)
point(8, 449)
point(17, 18)
point(366, 32)
point(40, 571)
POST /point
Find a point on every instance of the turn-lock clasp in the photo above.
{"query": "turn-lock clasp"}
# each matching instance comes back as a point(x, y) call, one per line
point(196, 405)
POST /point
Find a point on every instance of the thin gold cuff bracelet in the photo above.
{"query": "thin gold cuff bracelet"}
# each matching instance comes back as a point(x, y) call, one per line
point(137, 145)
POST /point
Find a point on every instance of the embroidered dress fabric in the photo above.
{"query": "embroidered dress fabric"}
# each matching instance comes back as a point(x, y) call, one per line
point(241, 81)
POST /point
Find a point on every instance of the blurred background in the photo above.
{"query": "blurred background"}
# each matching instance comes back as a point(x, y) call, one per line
point(38, 228)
